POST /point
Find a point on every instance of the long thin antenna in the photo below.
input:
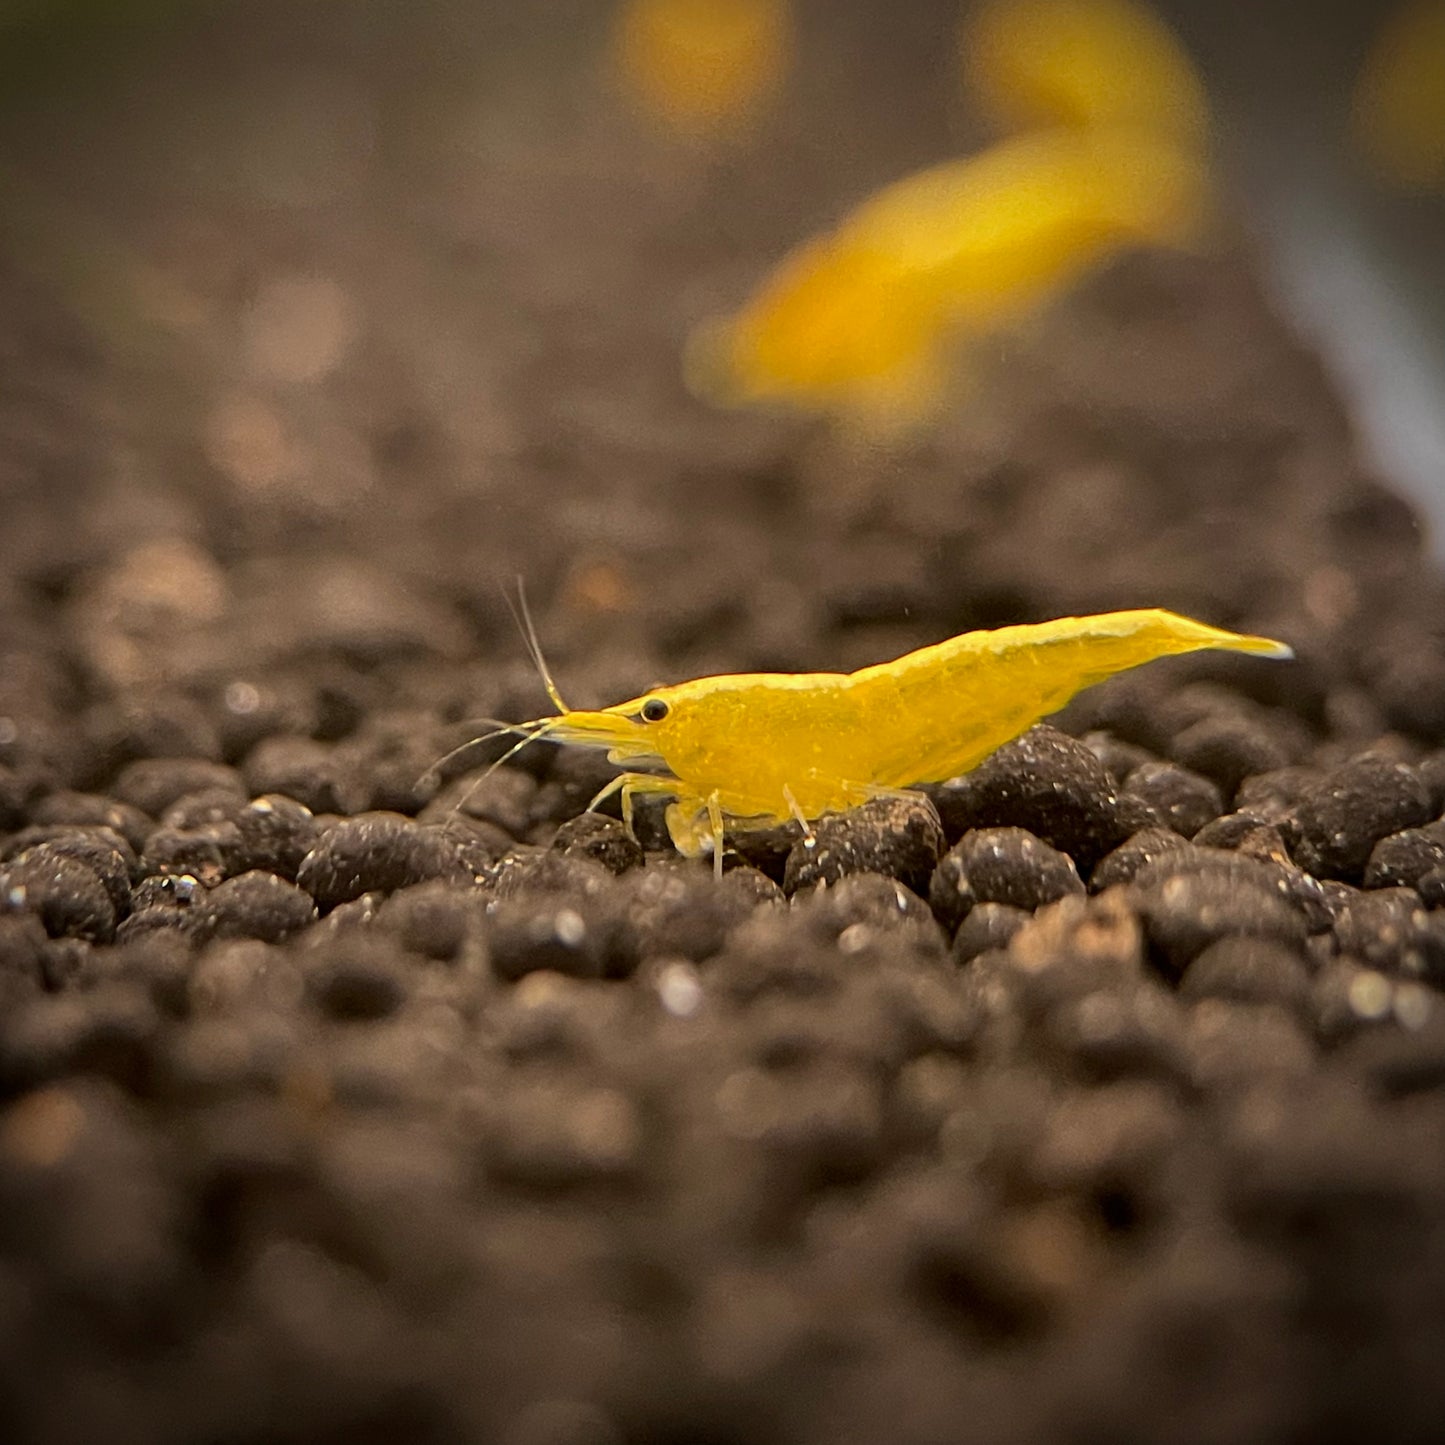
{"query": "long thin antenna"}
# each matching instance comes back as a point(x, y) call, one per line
point(541, 729)
point(433, 775)
point(523, 617)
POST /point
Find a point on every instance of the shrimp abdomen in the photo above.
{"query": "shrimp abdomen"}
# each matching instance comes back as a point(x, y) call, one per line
point(950, 705)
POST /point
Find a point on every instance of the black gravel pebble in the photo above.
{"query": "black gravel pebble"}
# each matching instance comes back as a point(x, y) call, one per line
point(168, 890)
point(481, 843)
point(201, 834)
point(202, 853)
point(358, 992)
point(987, 926)
point(1402, 859)
point(106, 853)
point(433, 919)
point(153, 784)
point(153, 725)
point(1119, 758)
point(1390, 929)
point(1230, 830)
point(1120, 1034)
point(1431, 888)
point(1249, 832)
point(1315, 901)
point(378, 852)
point(1183, 801)
point(1072, 948)
point(551, 1017)
point(1185, 910)
point(89, 810)
point(1274, 796)
point(1129, 857)
point(898, 836)
point(1047, 782)
point(1248, 970)
point(275, 833)
point(867, 903)
point(252, 905)
point(1339, 820)
point(506, 797)
point(306, 770)
point(361, 981)
point(204, 809)
point(541, 871)
point(1431, 771)
point(1228, 749)
point(108, 1032)
point(566, 935)
point(22, 951)
point(604, 840)
point(682, 912)
point(66, 894)
point(246, 982)
point(574, 776)
point(1403, 1061)
point(999, 865)
point(144, 921)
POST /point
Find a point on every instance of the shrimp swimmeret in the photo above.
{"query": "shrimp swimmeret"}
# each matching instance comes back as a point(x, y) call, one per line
point(753, 750)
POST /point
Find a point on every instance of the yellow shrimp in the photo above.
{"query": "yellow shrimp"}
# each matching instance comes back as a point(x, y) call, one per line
point(1398, 117)
point(859, 319)
point(1082, 64)
point(753, 750)
point(701, 68)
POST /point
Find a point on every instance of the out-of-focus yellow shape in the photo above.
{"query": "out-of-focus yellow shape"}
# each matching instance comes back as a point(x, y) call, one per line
point(1399, 102)
point(1081, 63)
point(701, 67)
point(861, 320)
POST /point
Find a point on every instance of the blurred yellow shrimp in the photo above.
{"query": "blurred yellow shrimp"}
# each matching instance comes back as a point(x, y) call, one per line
point(1398, 118)
point(1082, 64)
point(753, 750)
point(701, 68)
point(858, 320)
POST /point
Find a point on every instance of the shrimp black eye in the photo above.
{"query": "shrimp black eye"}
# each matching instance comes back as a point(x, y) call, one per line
point(654, 710)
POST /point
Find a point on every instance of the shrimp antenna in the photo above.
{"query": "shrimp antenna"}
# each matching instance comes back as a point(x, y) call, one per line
point(538, 729)
point(522, 614)
point(433, 775)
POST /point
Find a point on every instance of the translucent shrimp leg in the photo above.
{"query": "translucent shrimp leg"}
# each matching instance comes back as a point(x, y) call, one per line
point(629, 785)
point(715, 820)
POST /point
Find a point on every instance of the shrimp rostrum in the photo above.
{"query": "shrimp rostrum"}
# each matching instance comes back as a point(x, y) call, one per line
point(753, 750)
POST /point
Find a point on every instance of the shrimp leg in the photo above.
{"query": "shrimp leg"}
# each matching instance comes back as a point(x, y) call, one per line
point(629, 785)
point(715, 820)
point(796, 810)
point(682, 815)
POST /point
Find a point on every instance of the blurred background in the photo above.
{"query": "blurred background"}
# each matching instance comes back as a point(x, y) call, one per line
point(266, 265)
point(1351, 225)
point(157, 156)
